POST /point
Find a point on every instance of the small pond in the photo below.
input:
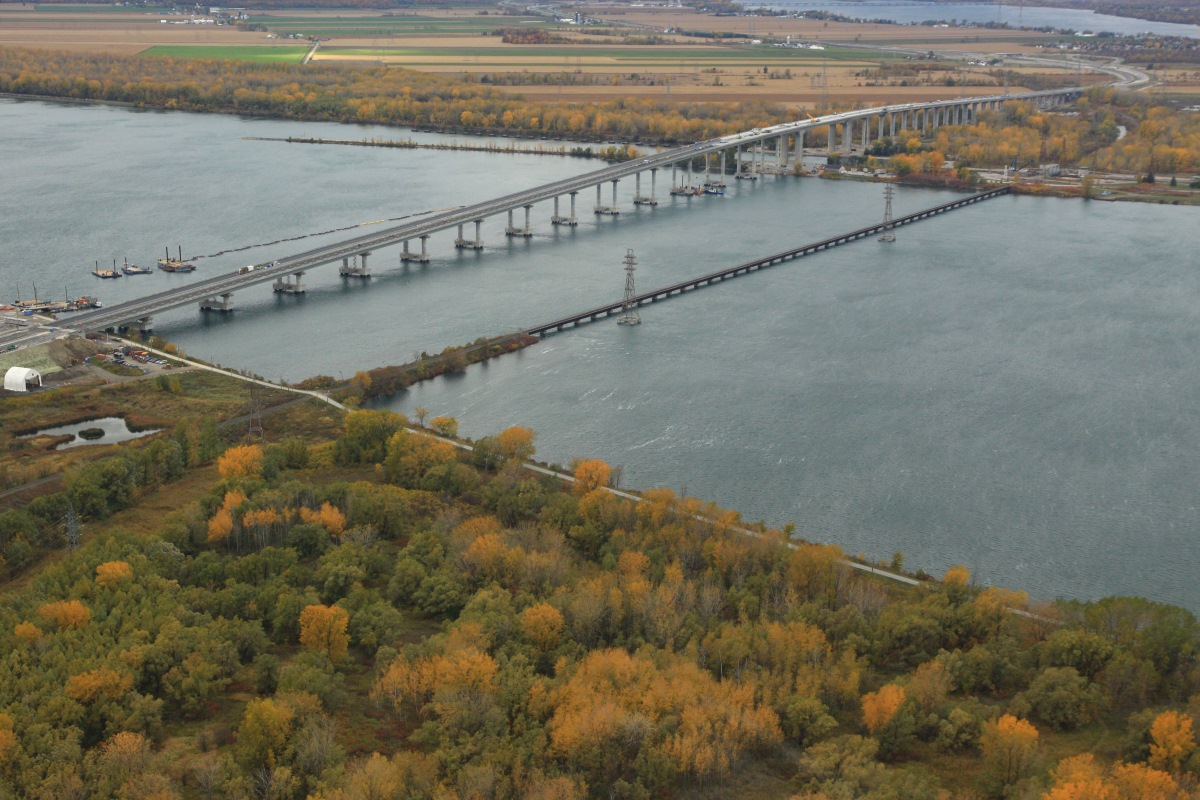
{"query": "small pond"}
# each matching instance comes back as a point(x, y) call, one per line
point(112, 430)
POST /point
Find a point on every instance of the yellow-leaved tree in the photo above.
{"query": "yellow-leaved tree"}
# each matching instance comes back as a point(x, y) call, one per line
point(113, 573)
point(517, 442)
point(542, 625)
point(323, 629)
point(1171, 740)
point(879, 707)
point(66, 613)
point(591, 474)
point(243, 461)
point(1009, 746)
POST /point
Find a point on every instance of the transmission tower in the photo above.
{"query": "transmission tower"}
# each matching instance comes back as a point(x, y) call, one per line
point(71, 527)
point(889, 191)
point(629, 315)
point(255, 433)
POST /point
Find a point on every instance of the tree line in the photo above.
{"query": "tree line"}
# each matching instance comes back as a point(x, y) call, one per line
point(381, 95)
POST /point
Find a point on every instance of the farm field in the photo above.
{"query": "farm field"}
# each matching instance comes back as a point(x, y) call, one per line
point(841, 62)
point(263, 54)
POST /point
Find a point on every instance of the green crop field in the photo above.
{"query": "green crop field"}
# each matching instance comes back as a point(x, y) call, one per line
point(264, 54)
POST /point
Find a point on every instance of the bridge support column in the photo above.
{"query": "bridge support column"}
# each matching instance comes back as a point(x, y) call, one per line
point(512, 230)
point(612, 210)
point(284, 286)
point(145, 325)
point(831, 136)
point(866, 135)
point(638, 198)
point(470, 244)
point(213, 304)
point(406, 255)
point(781, 153)
point(560, 220)
point(892, 128)
point(847, 136)
point(798, 145)
point(348, 270)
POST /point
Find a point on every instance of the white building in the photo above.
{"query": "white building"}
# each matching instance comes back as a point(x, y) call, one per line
point(18, 379)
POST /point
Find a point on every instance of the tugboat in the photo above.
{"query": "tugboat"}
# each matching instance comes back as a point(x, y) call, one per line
point(134, 269)
point(106, 273)
point(169, 264)
point(714, 188)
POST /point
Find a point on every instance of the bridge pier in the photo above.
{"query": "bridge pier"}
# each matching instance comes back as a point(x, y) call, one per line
point(348, 270)
point(225, 304)
point(470, 244)
point(407, 255)
point(560, 220)
point(513, 231)
point(612, 210)
point(285, 286)
point(798, 145)
point(638, 198)
point(145, 325)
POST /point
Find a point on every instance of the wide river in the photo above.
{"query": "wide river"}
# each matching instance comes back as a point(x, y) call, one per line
point(911, 12)
point(1011, 386)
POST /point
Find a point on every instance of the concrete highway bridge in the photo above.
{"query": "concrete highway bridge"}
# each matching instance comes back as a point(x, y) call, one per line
point(773, 150)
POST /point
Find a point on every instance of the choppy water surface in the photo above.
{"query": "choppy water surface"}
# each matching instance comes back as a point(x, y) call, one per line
point(1011, 386)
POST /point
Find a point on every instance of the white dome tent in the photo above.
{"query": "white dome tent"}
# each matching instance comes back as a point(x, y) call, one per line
point(18, 379)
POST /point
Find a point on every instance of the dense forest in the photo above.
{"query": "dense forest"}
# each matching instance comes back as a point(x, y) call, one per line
point(388, 615)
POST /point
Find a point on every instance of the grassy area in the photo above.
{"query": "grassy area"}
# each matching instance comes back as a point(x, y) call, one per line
point(283, 54)
point(142, 404)
point(101, 9)
point(368, 26)
point(627, 55)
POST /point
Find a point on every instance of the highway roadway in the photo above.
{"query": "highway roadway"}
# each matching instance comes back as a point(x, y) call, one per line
point(128, 313)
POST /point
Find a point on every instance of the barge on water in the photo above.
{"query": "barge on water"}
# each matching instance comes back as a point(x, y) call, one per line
point(169, 264)
point(134, 269)
point(107, 273)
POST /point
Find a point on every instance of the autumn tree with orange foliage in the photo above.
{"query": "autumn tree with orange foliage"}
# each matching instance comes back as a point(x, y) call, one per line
point(113, 573)
point(242, 461)
point(611, 695)
point(102, 683)
point(1171, 740)
point(328, 517)
point(27, 632)
point(220, 526)
point(591, 474)
point(542, 624)
point(880, 707)
point(323, 629)
point(516, 442)
point(1082, 778)
point(66, 613)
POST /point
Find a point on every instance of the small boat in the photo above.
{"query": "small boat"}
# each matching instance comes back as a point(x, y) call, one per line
point(106, 273)
point(169, 264)
point(134, 269)
point(714, 188)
